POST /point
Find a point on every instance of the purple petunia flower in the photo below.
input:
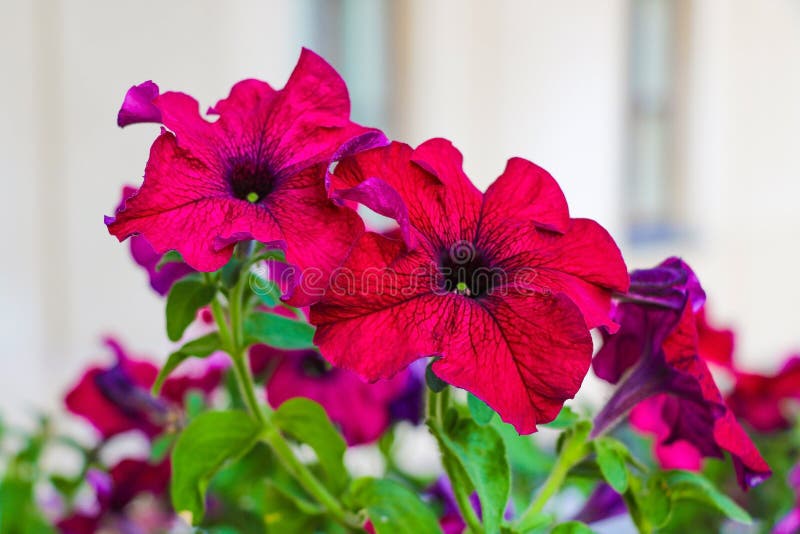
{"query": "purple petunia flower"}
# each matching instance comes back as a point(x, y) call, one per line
point(658, 342)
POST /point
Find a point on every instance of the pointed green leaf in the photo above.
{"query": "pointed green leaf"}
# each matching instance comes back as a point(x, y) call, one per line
point(172, 256)
point(267, 291)
point(307, 422)
point(572, 527)
point(278, 331)
point(185, 298)
point(210, 440)
point(480, 411)
point(481, 453)
point(392, 508)
point(612, 464)
point(436, 384)
point(694, 486)
point(199, 348)
point(566, 418)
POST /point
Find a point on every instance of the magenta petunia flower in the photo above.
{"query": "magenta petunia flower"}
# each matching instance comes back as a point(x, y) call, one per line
point(257, 172)
point(670, 383)
point(362, 411)
point(114, 491)
point(161, 279)
point(117, 399)
point(762, 400)
point(502, 287)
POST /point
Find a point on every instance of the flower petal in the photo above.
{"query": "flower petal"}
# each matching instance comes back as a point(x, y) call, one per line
point(386, 181)
point(502, 351)
point(138, 105)
point(525, 194)
point(376, 302)
point(584, 263)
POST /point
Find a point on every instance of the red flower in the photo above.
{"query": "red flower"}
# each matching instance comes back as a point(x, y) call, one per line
point(714, 344)
point(257, 172)
point(760, 400)
point(363, 411)
point(117, 399)
point(669, 382)
point(503, 287)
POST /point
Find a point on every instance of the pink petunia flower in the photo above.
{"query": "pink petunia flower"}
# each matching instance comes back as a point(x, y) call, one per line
point(363, 411)
point(502, 287)
point(116, 398)
point(667, 382)
point(257, 172)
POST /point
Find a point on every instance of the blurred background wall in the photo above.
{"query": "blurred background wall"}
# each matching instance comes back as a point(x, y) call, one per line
point(676, 124)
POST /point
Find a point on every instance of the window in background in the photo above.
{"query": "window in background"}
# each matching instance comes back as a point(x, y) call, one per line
point(653, 188)
point(356, 37)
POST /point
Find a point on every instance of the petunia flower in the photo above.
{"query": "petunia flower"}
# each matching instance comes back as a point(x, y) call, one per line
point(667, 380)
point(761, 400)
point(115, 491)
point(256, 172)
point(363, 411)
point(502, 287)
point(142, 252)
point(116, 398)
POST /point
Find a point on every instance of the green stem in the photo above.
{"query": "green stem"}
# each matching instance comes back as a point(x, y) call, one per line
point(245, 380)
point(307, 479)
point(437, 404)
point(233, 339)
point(573, 452)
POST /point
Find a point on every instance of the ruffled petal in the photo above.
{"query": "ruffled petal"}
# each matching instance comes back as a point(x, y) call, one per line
point(462, 200)
point(583, 263)
point(138, 105)
point(386, 181)
point(525, 194)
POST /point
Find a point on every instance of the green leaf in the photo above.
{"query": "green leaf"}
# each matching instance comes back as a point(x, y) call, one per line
point(277, 331)
point(172, 256)
point(200, 348)
point(283, 515)
point(566, 418)
point(694, 486)
point(184, 299)
point(267, 291)
point(161, 446)
point(230, 273)
point(436, 384)
point(392, 508)
point(655, 503)
point(480, 411)
point(481, 454)
point(210, 440)
point(612, 463)
point(307, 422)
point(572, 527)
